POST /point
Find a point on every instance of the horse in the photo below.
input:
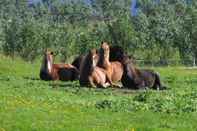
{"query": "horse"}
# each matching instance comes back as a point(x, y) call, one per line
point(134, 78)
point(90, 74)
point(114, 69)
point(77, 61)
point(51, 71)
point(116, 53)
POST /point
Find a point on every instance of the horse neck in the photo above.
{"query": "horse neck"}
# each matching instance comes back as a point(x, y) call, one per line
point(47, 65)
point(87, 66)
point(134, 70)
point(129, 68)
point(104, 60)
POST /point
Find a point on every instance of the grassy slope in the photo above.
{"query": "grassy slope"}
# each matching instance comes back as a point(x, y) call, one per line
point(28, 103)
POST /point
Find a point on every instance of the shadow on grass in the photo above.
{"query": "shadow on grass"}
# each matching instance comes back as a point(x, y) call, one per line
point(31, 78)
point(75, 86)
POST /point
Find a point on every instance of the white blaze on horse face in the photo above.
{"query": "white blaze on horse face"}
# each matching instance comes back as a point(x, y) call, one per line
point(49, 65)
point(94, 62)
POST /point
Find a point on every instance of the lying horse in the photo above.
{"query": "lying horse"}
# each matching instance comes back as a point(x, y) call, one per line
point(50, 71)
point(77, 61)
point(114, 69)
point(134, 78)
point(90, 74)
point(116, 53)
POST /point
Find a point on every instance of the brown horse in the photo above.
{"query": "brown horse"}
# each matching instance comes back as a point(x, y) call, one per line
point(116, 53)
point(50, 71)
point(114, 69)
point(90, 74)
point(134, 78)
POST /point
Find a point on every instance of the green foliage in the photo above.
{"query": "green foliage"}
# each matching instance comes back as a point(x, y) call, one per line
point(162, 31)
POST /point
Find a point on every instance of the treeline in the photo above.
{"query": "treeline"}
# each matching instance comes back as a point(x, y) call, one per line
point(160, 30)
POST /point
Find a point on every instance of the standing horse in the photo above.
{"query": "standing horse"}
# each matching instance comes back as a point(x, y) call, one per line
point(114, 69)
point(90, 74)
point(134, 78)
point(50, 71)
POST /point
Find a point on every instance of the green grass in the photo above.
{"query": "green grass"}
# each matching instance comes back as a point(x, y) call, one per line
point(27, 103)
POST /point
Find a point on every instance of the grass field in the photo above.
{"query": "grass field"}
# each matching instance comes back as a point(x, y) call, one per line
point(27, 103)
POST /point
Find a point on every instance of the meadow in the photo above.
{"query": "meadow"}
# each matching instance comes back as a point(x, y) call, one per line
point(27, 103)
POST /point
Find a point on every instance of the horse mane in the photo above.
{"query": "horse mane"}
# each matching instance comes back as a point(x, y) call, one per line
point(44, 64)
point(77, 61)
point(44, 73)
point(116, 53)
point(101, 58)
point(86, 65)
point(127, 62)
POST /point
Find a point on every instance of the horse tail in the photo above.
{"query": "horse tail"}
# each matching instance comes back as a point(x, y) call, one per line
point(157, 83)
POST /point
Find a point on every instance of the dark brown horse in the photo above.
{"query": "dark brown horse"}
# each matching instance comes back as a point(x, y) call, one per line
point(77, 61)
point(90, 74)
point(114, 69)
point(50, 71)
point(134, 78)
point(116, 53)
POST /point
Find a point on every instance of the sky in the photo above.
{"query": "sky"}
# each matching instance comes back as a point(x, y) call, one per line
point(134, 6)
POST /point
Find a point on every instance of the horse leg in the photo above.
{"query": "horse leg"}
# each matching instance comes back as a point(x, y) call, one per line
point(92, 82)
point(157, 84)
point(105, 85)
point(108, 76)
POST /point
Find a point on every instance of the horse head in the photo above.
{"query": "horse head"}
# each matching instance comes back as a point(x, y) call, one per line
point(95, 57)
point(48, 60)
point(106, 48)
point(90, 60)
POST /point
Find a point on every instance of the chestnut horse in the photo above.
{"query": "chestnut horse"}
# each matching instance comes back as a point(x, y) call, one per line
point(134, 78)
point(114, 69)
point(90, 74)
point(116, 53)
point(50, 71)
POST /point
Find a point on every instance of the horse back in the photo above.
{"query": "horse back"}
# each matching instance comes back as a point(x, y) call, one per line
point(65, 72)
point(62, 65)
